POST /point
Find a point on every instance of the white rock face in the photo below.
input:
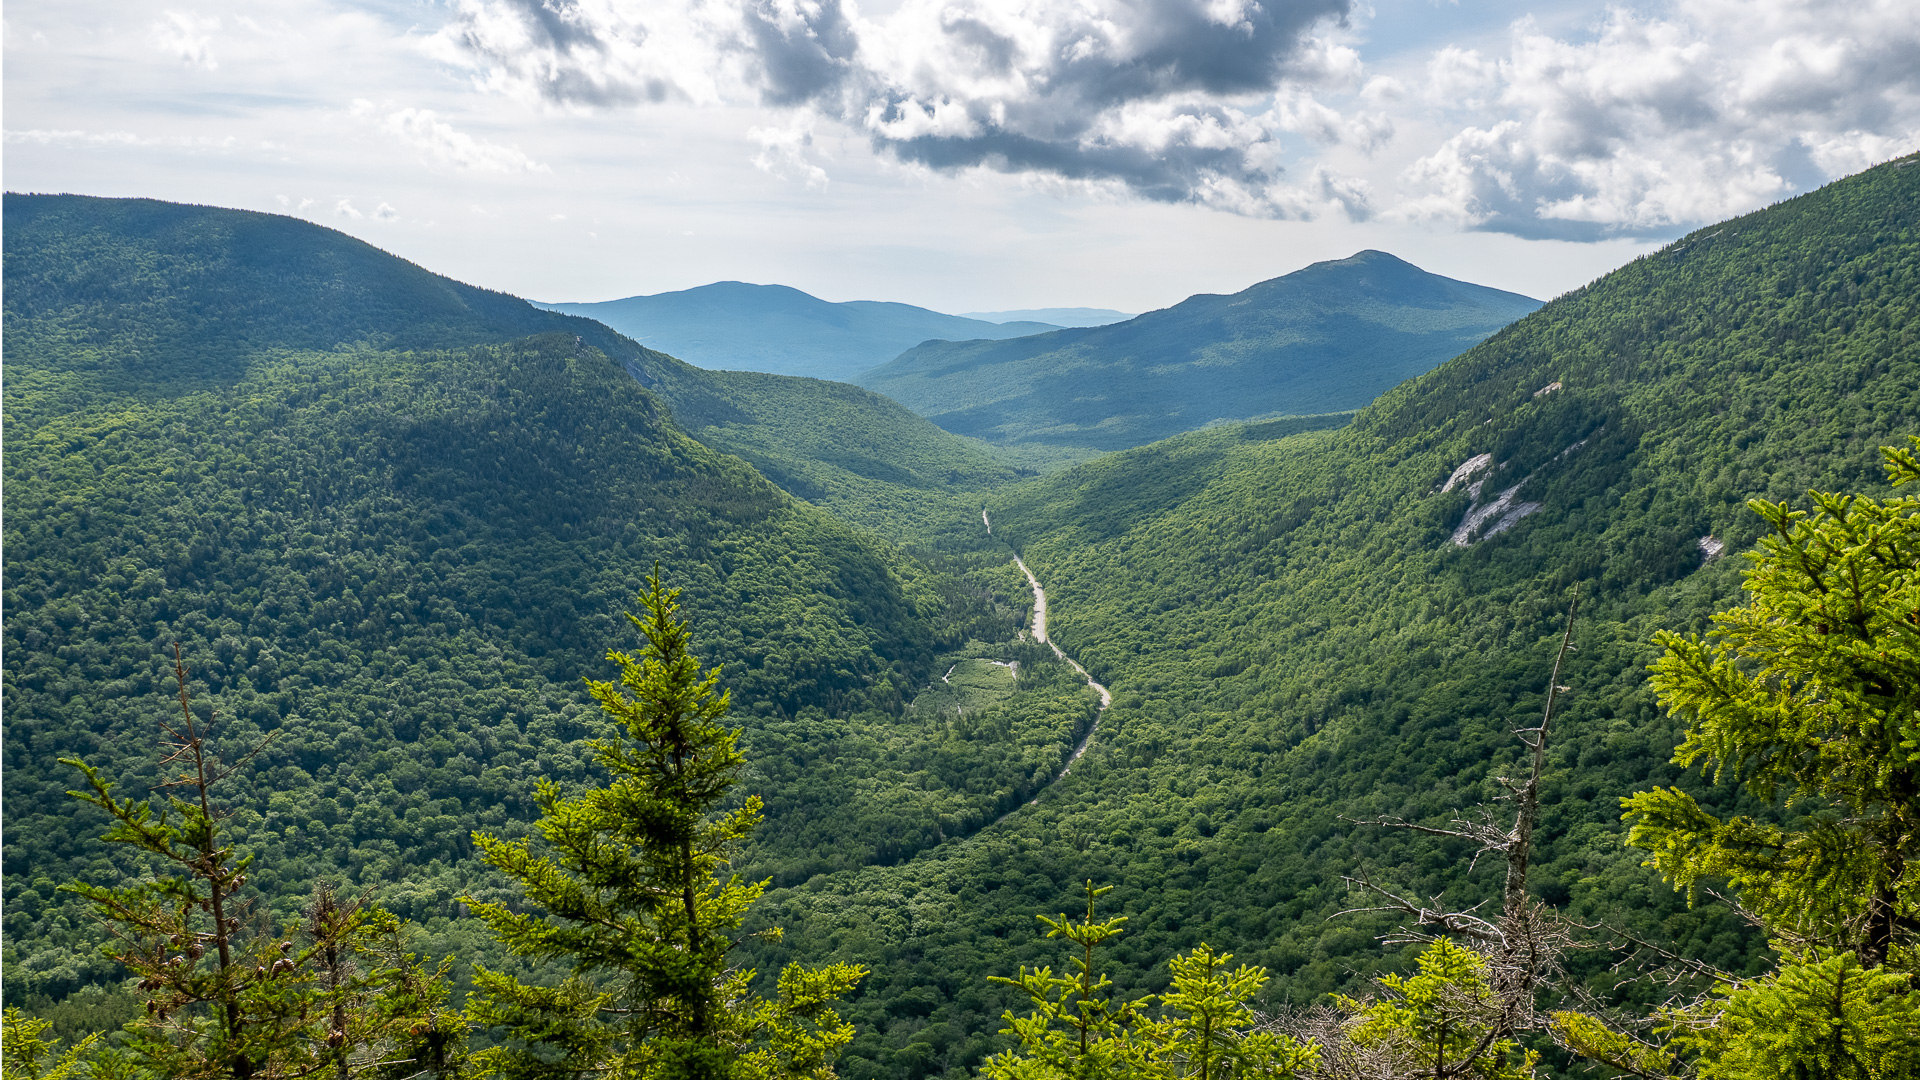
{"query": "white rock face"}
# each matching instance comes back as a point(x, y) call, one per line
point(1711, 546)
point(1499, 515)
point(1502, 512)
point(1466, 472)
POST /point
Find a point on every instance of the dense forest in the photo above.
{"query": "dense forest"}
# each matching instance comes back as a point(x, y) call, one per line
point(1305, 630)
point(1295, 642)
point(401, 563)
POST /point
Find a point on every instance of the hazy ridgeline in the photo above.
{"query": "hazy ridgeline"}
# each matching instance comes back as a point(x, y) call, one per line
point(397, 532)
point(772, 328)
point(1325, 339)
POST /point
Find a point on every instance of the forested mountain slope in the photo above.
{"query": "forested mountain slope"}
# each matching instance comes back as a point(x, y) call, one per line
point(863, 456)
point(1327, 338)
point(399, 563)
point(136, 297)
point(1294, 637)
point(1296, 642)
point(781, 330)
point(142, 298)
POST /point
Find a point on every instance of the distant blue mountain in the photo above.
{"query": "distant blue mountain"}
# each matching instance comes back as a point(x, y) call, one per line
point(732, 325)
point(1058, 316)
point(1325, 339)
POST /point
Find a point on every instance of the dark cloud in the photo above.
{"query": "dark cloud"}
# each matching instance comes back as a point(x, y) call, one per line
point(1182, 49)
point(1063, 118)
point(561, 50)
point(1168, 175)
point(1067, 147)
point(800, 58)
point(1139, 92)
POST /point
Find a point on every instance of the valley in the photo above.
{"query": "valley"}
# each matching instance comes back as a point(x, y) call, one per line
point(1173, 642)
point(1038, 628)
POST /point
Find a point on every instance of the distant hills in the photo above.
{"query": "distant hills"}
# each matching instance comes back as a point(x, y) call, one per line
point(783, 331)
point(1058, 316)
point(1327, 338)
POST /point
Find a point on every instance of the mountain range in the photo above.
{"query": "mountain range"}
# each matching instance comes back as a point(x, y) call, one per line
point(781, 330)
point(1323, 339)
point(394, 520)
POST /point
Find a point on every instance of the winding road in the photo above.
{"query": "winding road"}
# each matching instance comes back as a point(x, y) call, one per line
point(1040, 635)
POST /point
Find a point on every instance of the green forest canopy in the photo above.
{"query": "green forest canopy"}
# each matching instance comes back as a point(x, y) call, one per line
point(1292, 634)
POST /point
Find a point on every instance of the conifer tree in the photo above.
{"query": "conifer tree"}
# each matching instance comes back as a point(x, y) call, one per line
point(625, 891)
point(1446, 1020)
point(1076, 1030)
point(1809, 696)
point(1205, 1029)
point(27, 1054)
point(1811, 1018)
point(1811, 693)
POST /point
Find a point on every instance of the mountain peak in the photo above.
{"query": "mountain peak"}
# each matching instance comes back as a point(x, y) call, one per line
point(1325, 338)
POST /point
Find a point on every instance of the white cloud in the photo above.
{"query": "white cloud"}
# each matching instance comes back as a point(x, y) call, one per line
point(783, 153)
point(1697, 110)
point(442, 144)
point(1382, 90)
point(593, 52)
point(344, 208)
point(1712, 108)
point(1646, 121)
point(385, 212)
point(70, 138)
point(45, 137)
point(187, 36)
point(1300, 112)
point(1461, 76)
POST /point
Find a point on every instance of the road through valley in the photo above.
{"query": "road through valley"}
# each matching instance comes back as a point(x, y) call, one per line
point(1039, 629)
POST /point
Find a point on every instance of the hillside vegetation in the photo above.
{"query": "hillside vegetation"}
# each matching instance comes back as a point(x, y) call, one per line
point(137, 298)
point(1296, 643)
point(850, 450)
point(1071, 316)
point(400, 564)
point(1327, 338)
point(781, 330)
point(111, 299)
point(402, 560)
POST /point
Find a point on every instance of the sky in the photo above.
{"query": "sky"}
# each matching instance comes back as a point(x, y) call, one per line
point(964, 155)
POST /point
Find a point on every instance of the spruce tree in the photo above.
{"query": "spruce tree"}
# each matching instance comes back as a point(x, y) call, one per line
point(1446, 1020)
point(1809, 696)
point(1205, 1029)
point(1076, 1030)
point(27, 1054)
point(625, 889)
point(1810, 693)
